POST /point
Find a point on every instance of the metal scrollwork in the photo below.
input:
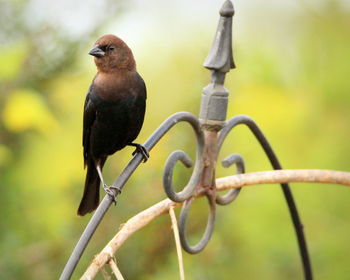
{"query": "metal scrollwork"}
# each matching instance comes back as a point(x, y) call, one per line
point(212, 118)
point(232, 194)
point(228, 161)
point(194, 249)
point(176, 156)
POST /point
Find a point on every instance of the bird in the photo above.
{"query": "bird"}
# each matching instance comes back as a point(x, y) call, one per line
point(114, 112)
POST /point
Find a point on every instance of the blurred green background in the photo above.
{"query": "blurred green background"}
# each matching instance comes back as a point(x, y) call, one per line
point(292, 77)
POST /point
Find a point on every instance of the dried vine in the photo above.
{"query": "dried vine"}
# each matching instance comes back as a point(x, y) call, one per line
point(143, 218)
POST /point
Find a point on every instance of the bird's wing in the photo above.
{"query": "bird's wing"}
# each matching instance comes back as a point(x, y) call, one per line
point(136, 116)
point(88, 120)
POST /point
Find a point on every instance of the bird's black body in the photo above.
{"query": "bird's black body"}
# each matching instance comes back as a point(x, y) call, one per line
point(110, 125)
point(113, 116)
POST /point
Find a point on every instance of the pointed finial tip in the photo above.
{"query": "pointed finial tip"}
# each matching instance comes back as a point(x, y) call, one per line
point(227, 9)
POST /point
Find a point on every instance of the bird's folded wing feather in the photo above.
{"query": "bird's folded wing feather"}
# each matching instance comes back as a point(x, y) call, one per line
point(88, 120)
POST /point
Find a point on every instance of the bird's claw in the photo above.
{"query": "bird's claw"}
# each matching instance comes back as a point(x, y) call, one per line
point(141, 149)
point(108, 190)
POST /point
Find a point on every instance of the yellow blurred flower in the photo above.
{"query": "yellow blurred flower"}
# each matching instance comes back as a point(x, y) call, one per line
point(25, 109)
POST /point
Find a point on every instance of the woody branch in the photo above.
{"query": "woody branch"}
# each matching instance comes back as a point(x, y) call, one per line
point(143, 218)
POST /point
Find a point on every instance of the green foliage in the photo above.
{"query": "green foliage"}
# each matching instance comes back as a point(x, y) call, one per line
point(294, 85)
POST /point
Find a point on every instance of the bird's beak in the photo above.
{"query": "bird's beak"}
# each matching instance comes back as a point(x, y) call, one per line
point(97, 52)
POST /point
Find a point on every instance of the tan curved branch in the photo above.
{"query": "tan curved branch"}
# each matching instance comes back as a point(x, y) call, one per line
point(284, 176)
point(266, 177)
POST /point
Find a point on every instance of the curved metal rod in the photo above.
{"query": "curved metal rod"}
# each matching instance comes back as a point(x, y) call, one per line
point(298, 227)
point(184, 158)
point(168, 174)
point(232, 194)
point(119, 183)
point(194, 249)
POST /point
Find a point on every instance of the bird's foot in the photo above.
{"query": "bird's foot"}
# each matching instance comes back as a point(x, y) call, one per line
point(140, 149)
point(109, 190)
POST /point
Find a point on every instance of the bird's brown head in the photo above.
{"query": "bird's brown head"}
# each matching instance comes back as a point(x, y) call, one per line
point(112, 54)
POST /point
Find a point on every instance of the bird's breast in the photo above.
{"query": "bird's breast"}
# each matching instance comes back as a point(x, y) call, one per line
point(115, 86)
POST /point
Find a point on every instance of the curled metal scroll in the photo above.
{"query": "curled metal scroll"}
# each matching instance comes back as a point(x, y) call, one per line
point(194, 249)
point(232, 194)
point(189, 190)
point(176, 156)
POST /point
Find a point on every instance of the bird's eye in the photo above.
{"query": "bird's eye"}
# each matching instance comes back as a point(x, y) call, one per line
point(111, 48)
point(103, 48)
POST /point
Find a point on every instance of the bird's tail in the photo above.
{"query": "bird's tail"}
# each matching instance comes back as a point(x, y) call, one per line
point(91, 196)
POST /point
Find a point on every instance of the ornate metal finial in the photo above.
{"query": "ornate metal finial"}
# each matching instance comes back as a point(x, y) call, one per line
point(220, 61)
point(220, 56)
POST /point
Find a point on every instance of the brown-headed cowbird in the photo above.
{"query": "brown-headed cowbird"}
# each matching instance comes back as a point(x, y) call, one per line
point(113, 113)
